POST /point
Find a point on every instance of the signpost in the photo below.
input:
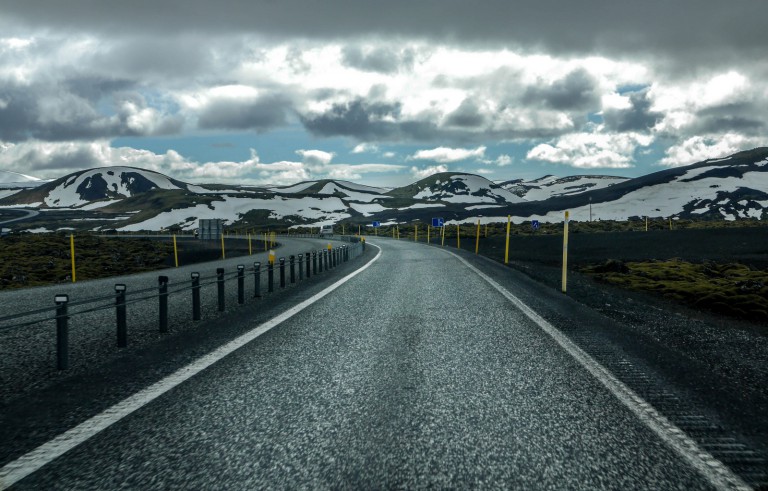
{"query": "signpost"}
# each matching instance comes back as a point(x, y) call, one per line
point(376, 226)
point(535, 224)
point(438, 222)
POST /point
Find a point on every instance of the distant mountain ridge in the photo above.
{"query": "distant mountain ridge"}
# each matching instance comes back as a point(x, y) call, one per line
point(134, 199)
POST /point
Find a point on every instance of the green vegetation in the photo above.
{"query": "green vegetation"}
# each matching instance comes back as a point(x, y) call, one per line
point(32, 260)
point(727, 288)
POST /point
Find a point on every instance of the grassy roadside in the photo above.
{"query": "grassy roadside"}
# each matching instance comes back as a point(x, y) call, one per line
point(28, 260)
point(719, 267)
point(727, 288)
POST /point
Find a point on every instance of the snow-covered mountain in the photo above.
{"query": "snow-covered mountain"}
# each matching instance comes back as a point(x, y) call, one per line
point(551, 186)
point(134, 199)
point(451, 187)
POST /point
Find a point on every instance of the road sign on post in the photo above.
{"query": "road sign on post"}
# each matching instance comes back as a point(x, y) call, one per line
point(535, 224)
point(376, 224)
point(438, 222)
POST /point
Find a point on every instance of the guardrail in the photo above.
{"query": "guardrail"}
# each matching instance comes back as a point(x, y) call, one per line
point(308, 264)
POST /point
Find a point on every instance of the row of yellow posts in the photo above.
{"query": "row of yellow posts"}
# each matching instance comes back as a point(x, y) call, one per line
point(564, 284)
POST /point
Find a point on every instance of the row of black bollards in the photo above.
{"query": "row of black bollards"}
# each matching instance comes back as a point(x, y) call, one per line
point(313, 262)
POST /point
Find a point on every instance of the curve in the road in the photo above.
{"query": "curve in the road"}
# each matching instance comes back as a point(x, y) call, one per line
point(28, 214)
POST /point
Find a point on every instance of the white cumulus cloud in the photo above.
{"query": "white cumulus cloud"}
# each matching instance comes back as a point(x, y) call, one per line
point(592, 150)
point(421, 173)
point(446, 154)
point(698, 148)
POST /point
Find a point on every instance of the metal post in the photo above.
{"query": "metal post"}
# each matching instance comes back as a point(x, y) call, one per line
point(308, 260)
point(282, 272)
point(62, 332)
point(292, 260)
point(301, 267)
point(270, 277)
point(240, 284)
point(122, 327)
point(314, 262)
point(220, 287)
point(162, 282)
point(196, 297)
point(257, 279)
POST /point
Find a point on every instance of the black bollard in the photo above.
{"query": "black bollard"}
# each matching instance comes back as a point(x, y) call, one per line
point(292, 261)
point(282, 272)
point(301, 267)
point(162, 282)
point(240, 284)
point(196, 297)
point(308, 259)
point(256, 279)
point(220, 287)
point(120, 314)
point(62, 332)
point(270, 277)
point(314, 262)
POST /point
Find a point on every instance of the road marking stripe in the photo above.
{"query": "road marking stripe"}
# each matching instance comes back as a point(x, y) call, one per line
point(717, 473)
point(47, 452)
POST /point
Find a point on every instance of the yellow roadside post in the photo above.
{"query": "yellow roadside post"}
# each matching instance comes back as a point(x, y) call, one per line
point(506, 248)
point(223, 254)
point(415, 233)
point(250, 248)
point(477, 240)
point(72, 254)
point(358, 230)
point(565, 252)
point(175, 252)
point(670, 223)
point(486, 230)
point(393, 232)
point(271, 258)
point(646, 223)
point(428, 230)
point(266, 248)
point(442, 233)
point(398, 231)
point(458, 236)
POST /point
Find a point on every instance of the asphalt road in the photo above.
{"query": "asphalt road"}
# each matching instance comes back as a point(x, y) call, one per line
point(27, 214)
point(417, 372)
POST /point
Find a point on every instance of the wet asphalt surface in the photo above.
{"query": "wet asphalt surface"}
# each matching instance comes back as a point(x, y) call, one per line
point(415, 373)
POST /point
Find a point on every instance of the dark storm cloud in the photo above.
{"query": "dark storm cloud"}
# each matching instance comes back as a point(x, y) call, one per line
point(235, 114)
point(79, 157)
point(744, 118)
point(638, 117)
point(682, 27)
point(383, 121)
point(358, 118)
point(467, 115)
point(68, 111)
point(381, 60)
point(161, 56)
point(576, 91)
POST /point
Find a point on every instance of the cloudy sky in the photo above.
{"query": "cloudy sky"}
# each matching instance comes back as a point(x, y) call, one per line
point(278, 91)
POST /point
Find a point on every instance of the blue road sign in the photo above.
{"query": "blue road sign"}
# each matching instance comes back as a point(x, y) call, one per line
point(438, 222)
point(377, 224)
point(535, 224)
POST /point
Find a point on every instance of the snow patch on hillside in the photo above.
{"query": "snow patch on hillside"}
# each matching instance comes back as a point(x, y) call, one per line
point(319, 209)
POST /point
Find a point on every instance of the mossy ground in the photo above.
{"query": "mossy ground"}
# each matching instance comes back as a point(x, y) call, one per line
point(32, 260)
point(728, 288)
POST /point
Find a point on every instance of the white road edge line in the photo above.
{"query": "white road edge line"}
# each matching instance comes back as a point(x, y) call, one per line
point(717, 473)
point(30, 462)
